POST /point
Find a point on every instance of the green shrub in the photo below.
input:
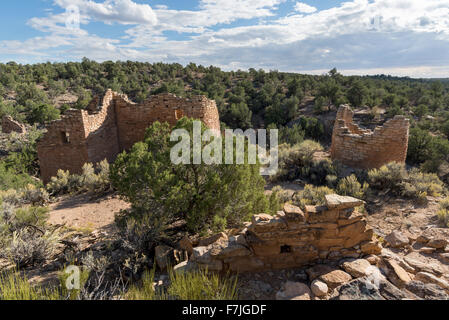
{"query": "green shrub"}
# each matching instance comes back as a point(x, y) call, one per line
point(413, 184)
point(312, 195)
point(90, 180)
point(389, 176)
point(350, 186)
point(298, 162)
point(155, 186)
point(443, 213)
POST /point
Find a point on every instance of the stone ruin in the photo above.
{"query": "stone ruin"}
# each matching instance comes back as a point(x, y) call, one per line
point(366, 149)
point(291, 239)
point(10, 125)
point(111, 125)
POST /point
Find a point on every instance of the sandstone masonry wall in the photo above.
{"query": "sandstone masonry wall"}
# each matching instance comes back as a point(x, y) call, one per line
point(110, 125)
point(10, 125)
point(293, 238)
point(360, 148)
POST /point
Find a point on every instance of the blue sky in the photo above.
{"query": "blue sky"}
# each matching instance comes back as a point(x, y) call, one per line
point(398, 37)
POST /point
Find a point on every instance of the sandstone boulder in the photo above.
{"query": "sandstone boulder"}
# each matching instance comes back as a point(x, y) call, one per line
point(186, 244)
point(334, 201)
point(318, 270)
point(163, 256)
point(294, 213)
point(212, 239)
point(437, 243)
point(357, 268)
point(335, 278)
point(371, 247)
point(427, 291)
point(202, 256)
point(398, 275)
point(430, 278)
point(397, 239)
point(294, 291)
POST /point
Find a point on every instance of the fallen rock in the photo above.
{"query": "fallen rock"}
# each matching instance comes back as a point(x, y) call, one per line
point(423, 239)
point(373, 259)
point(357, 268)
point(163, 256)
point(425, 267)
point(427, 250)
point(334, 201)
point(398, 276)
point(427, 291)
point(397, 239)
point(359, 289)
point(318, 270)
point(319, 288)
point(185, 266)
point(437, 243)
point(371, 247)
point(294, 213)
point(430, 278)
point(445, 257)
point(186, 244)
point(212, 239)
point(335, 278)
point(294, 291)
point(202, 256)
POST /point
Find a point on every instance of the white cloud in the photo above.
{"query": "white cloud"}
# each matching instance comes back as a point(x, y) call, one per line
point(113, 11)
point(304, 8)
point(405, 36)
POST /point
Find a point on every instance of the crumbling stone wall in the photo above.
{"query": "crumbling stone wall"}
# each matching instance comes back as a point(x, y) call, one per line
point(366, 149)
point(10, 125)
point(293, 238)
point(110, 125)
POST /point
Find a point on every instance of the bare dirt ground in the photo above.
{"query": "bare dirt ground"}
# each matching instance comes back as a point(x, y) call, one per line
point(84, 212)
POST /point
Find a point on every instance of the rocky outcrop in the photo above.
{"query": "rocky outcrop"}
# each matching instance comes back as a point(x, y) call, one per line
point(293, 238)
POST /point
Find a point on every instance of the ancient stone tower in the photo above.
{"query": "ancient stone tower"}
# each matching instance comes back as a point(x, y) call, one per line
point(366, 149)
point(111, 125)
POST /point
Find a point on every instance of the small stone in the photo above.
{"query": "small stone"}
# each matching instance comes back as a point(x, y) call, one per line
point(336, 278)
point(397, 239)
point(319, 288)
point(357, 268)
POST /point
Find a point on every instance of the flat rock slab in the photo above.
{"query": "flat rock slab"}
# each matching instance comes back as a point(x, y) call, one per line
point(334, 201)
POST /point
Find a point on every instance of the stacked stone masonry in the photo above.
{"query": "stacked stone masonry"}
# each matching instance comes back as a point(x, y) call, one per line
point(366, 149)
point(111, 125)
point(10, 125)
point(292, 239)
